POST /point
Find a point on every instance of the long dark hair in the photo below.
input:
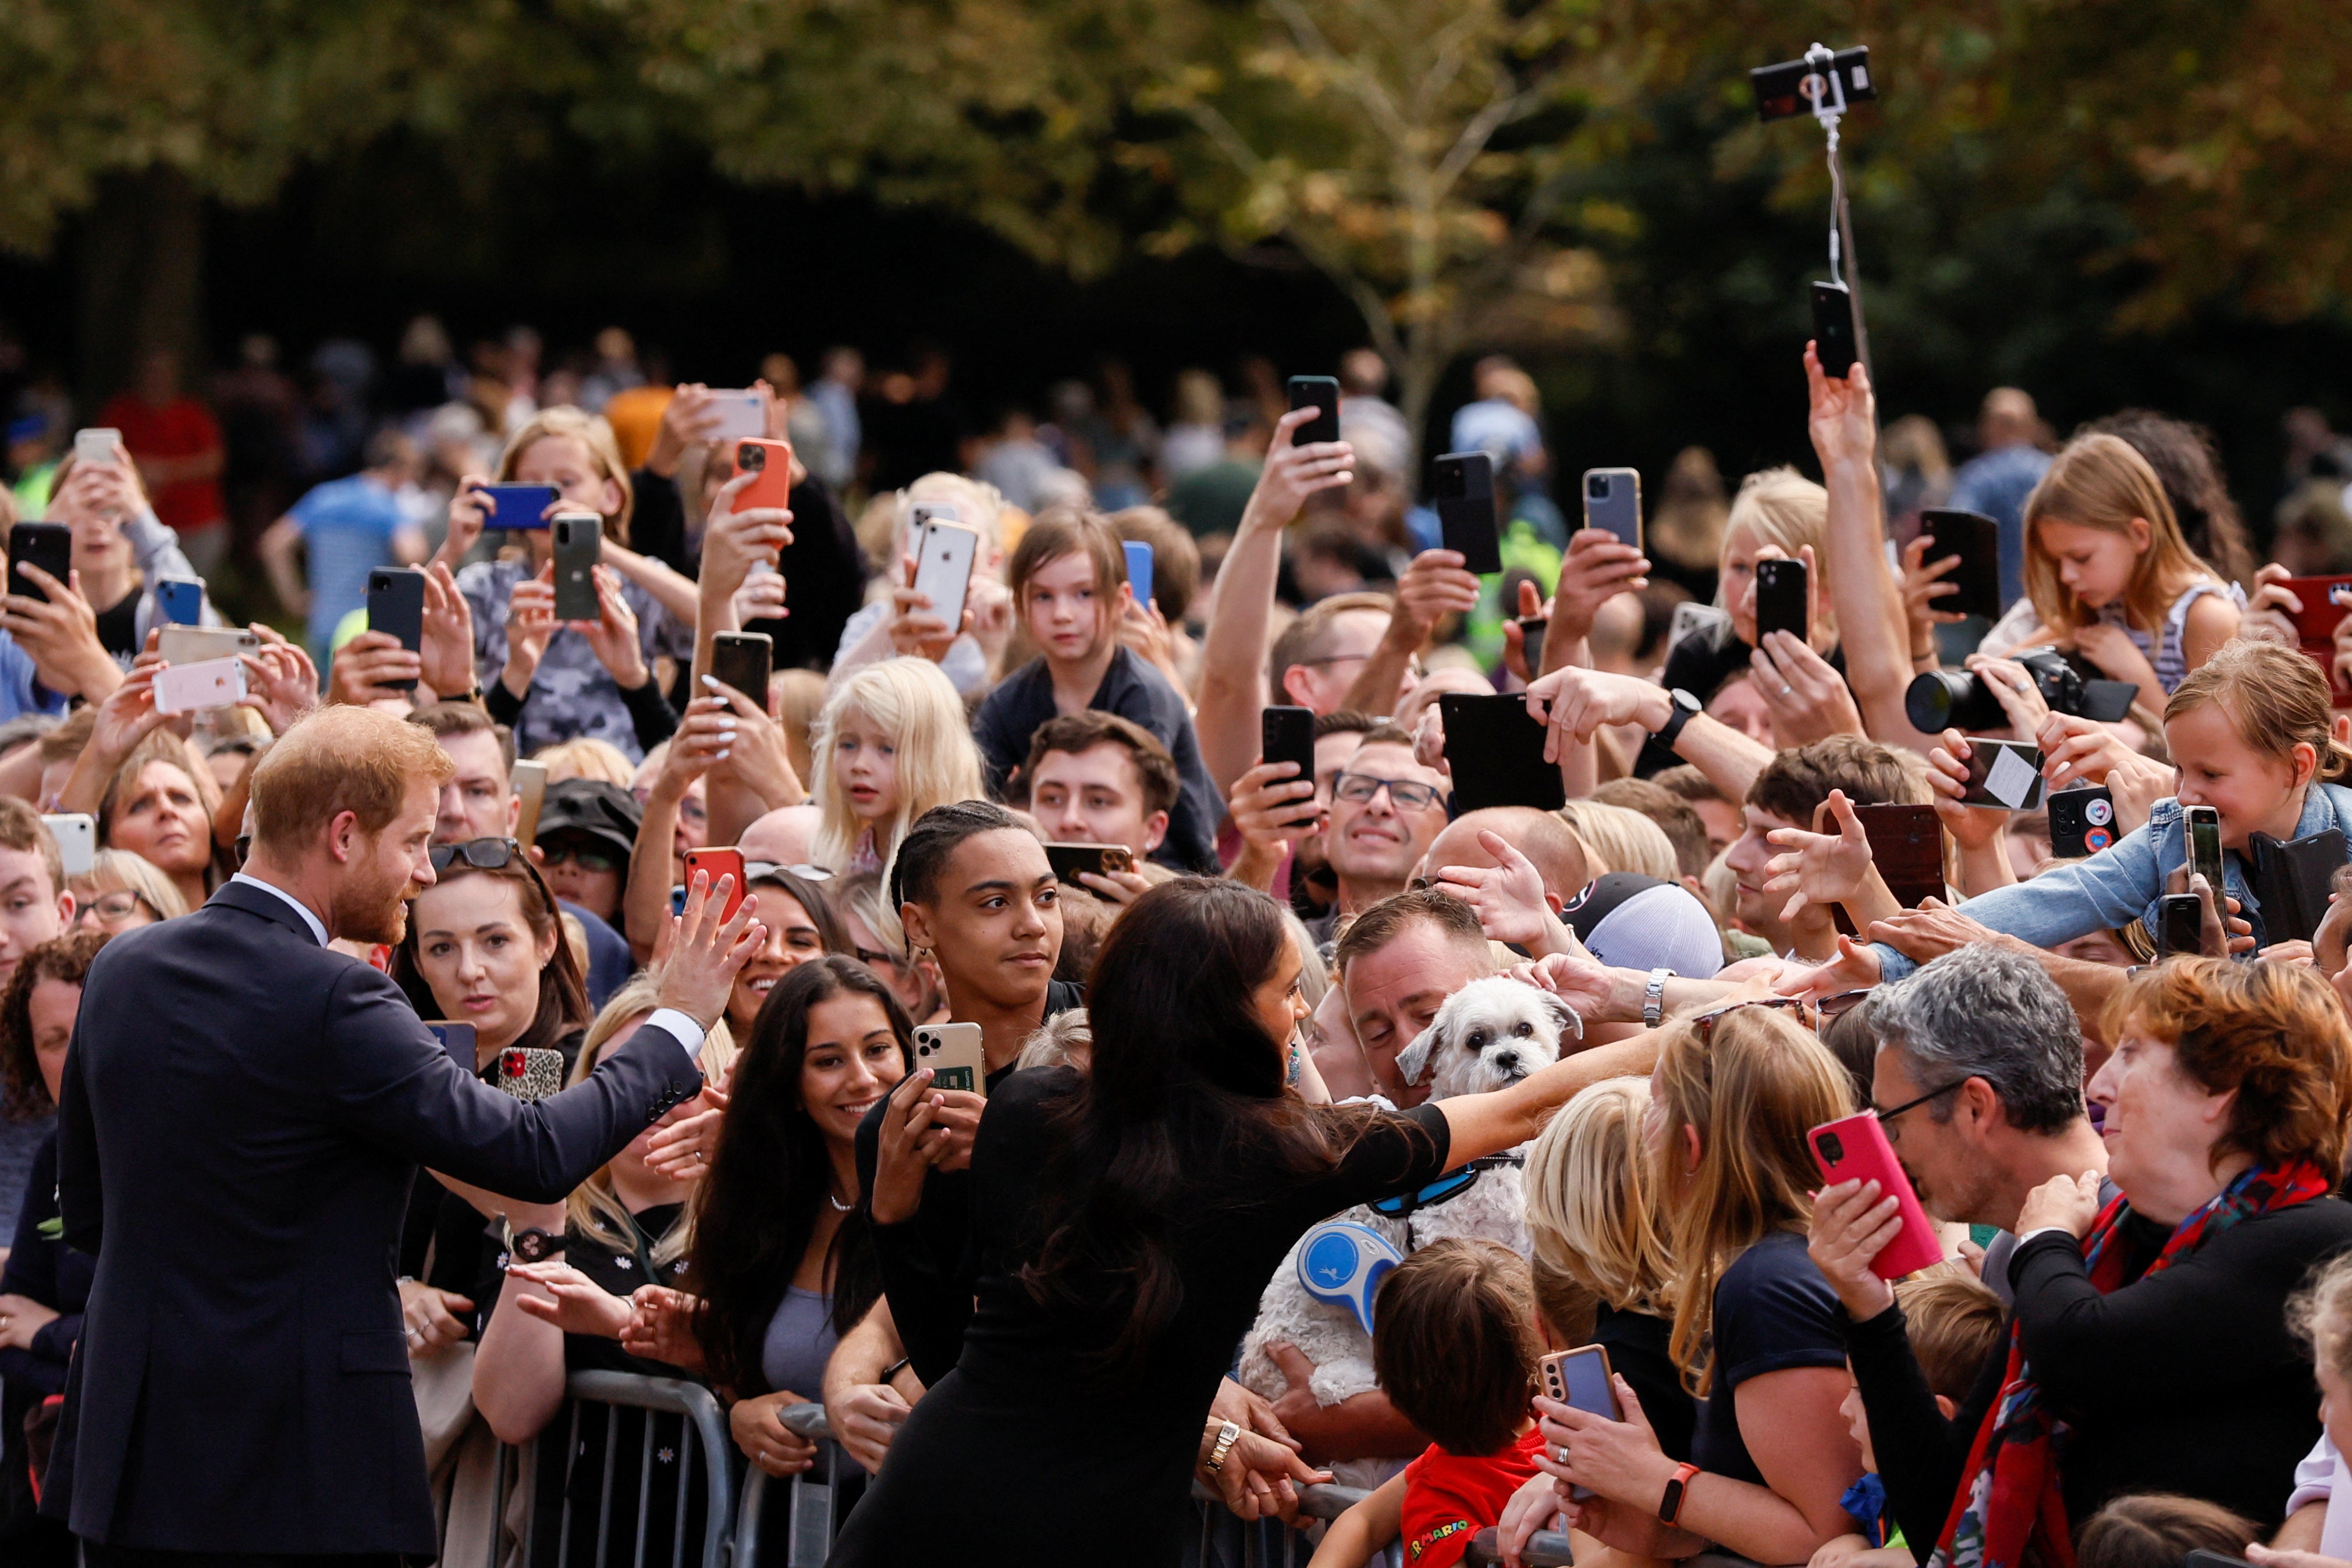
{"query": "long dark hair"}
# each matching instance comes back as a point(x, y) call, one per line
point(771, 1175)
point(562, 995)
point(1183, 1115)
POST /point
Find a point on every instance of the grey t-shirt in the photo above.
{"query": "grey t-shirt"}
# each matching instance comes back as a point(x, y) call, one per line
point(571, 694)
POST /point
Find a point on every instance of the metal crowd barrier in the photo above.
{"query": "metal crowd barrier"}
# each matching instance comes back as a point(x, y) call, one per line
point(813, 1506)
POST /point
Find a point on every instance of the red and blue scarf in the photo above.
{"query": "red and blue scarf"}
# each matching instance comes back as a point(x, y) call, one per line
point(2009, 1511)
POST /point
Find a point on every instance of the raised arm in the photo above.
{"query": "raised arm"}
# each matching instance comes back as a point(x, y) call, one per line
point(1577, 702)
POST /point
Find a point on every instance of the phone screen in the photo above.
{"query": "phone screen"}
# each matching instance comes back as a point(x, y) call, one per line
point(2004, 773)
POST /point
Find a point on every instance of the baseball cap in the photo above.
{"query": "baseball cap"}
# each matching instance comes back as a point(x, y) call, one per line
point(594, 809)
point(1633, 922)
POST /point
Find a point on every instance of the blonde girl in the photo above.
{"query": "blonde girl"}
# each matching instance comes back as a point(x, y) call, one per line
point(2110, 573)
point(891, 744)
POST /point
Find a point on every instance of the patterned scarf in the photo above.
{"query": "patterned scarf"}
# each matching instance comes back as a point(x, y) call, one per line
point(2010, 1512)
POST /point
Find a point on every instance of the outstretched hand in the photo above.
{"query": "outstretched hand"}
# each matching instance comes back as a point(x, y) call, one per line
point(1508, 895)
point(706, 952)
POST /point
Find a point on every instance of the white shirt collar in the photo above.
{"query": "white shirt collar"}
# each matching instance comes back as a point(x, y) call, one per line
point(318, 928)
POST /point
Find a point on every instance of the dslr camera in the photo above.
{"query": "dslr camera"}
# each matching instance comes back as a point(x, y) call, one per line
point(1958, 699)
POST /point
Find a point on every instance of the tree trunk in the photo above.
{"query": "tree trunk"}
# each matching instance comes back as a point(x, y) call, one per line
point(139, 257)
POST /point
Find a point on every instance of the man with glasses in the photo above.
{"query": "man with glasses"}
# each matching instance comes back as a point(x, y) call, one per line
point(1319, 657)
point(1387, 809)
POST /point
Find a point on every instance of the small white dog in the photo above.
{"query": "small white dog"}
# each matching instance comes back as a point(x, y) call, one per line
point(1489, 1035)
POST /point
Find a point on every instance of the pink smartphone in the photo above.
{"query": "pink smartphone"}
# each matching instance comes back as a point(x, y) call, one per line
point(1854, 1148)
point(186, 688)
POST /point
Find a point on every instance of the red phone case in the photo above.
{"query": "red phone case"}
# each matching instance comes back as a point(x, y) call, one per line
point(2316, 622)
point(718, 863)
point(1865, 1155)
point(773, 487)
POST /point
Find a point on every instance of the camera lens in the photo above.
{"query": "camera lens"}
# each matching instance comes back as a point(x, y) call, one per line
point(749, 457)
point(1948, 699)
point(1832, 1148)
point(1597, 486)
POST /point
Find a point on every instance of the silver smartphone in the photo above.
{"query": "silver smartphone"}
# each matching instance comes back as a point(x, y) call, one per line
point(943, 568)
point(195, 644)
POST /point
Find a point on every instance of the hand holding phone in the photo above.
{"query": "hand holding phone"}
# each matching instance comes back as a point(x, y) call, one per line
point(1287, 734)
point(952, 1051)
point(716, 863)
point(1854, 1148)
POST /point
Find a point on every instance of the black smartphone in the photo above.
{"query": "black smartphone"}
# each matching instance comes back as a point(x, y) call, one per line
point(1322, 394)
point(1464, 487)
point(2081, 822)
point(1531, 635)
point(1907, 845)
point(2203, 824)
point(395, 603)
point(1287, 735)
point(1495, 752)
point(2179, 925)
point(48, 546)
point(2004, 773)
point(2293, 879)
point(1975, 540)
point(1834, 328)
point(1780, 600)
point(579, 542)
point(1100, 860)
point(744, 660)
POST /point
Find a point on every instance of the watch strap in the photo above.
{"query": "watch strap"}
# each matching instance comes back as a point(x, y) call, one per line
point(1670, 1506)
point(1684, 705)
point(1653, 997)
point(1227, 1435)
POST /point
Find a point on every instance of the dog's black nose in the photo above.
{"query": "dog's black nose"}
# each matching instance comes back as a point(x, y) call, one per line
point(1506, 1061)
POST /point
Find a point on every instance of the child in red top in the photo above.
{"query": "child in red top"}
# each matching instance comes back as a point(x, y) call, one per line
point(1455, 1344)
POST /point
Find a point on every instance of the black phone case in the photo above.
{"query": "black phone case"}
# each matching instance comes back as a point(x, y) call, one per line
point(2081, 822)
point(1982, 757)
point(2291, 881)
point(1466, 516)
point(396, 604)
point(1834, 328)
point(1287, 735)
point(744, 660)
point(48, 546)
point(1780, 600)
point(1069, 859)
point(1975, 540)
point(578, 543)
point(1496, 750)
point(1531, 641)
point(1316, 391)
point(2179, 925)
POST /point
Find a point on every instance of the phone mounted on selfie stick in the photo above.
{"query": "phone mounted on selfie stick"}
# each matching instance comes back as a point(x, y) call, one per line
point(1342, 1262)
point(1825, 84)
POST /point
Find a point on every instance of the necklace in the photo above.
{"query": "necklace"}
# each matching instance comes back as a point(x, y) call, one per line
point(839, 1207)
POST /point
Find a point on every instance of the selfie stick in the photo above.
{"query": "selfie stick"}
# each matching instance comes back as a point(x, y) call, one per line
point(1828, 109)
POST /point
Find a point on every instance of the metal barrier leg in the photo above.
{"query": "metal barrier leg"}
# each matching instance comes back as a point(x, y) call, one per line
point(605, 1490)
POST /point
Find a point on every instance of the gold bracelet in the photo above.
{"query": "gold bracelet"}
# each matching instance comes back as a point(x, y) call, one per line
point(1227, 1435)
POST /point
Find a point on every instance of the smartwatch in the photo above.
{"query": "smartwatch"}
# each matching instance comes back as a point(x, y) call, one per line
point(1653, 997)
point(1685, 707)
point(533, 1245)
point(1670, 1507)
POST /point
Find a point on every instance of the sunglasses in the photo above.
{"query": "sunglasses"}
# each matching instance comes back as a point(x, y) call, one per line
point(580, 855)
point(1807, 1014)
point(1358, 788)
point(482, 854)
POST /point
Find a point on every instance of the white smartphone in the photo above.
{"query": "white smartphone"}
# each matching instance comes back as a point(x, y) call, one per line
point(195, 644)
point(737, 415)
point(208, 683)
point(98, 445)
point(77, 836)
point(943, 568)
point(1690, 620)
point(951, 1050)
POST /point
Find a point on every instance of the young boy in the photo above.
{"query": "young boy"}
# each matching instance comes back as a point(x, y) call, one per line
point(1954, 1325)
point(1455, 1344)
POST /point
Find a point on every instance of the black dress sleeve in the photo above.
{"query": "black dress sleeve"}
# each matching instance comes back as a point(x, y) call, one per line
point(824, 573)
point(650, 714)
point(1393, 1151)
point(1920, 1454)
point(657, 521)
point(925, 1260)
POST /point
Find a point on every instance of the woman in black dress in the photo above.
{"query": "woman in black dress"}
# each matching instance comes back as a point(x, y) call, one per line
point(1127, 1222)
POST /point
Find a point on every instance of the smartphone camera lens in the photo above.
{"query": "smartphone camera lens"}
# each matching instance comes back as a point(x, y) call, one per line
point(1832, 1148)
point(750, 458)
point(1597, 486)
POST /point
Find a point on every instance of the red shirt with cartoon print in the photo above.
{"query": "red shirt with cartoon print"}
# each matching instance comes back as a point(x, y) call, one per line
point(1449, 1497)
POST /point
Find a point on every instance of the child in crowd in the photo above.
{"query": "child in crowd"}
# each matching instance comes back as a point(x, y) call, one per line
point(1455, 1338)
point(2108, 571)
point(1954, 1323)
point(2155, 1529)
point(890, 745)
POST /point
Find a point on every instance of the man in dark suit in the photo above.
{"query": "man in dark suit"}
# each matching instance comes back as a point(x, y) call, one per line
point(243, 1111)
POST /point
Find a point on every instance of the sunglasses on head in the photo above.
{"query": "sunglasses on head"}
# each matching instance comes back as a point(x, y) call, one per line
point(1807, 1014)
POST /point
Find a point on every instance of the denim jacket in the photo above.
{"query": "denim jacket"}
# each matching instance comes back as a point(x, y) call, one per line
point(2121, 884)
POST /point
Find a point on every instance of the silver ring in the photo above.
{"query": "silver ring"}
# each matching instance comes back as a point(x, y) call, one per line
point(1786, 689)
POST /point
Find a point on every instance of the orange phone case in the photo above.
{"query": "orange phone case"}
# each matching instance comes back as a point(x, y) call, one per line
point(718, 863)
point(772, 460)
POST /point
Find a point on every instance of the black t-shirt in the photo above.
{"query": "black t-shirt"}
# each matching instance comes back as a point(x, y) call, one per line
point(621, 1271)
point(117, 627)
point(1636, 1342)
point(1773, 1312)
point(1698, 665)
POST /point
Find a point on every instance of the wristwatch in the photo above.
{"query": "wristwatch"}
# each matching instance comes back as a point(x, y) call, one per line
point(1670, 1507)
point(1686, 706)
point(1227, 1435)
point(533, 1245)
point(1653, 997)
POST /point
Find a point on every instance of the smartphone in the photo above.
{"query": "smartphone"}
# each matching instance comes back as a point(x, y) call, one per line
point(191, 645)
point(773, 462)
point(1907, 844)
point(1613, 500)
point(1531, 638)
point(529, 1075)
point(1321, 393)
point(1579, 1379)
point(1854, 1148)
point(1101, 860)
point(1287, 735)
point(1975, 540)
point(1834, 328)
point(2292, 880)
point(743, 659)
point(1780, 600)
point(736, 414)
point(1691, 620)
point(1138, 569)
point(531, 788)
point(1495, 753)
point(923, 514)
point(98, 445)
point(2003, 773)
point(718, 863)
point(951, 1050)
point(943, 568)
point(2081, 822)
point(578, 542)
point(77, 836)
point(181, 599)
point(395, 603)
point(48, 546)
point(2179, 925)
point(518, 506)
point(1465, 486)
point(208, 683)
point(2325, 601)
point(457, 1040)
point(2203, 824)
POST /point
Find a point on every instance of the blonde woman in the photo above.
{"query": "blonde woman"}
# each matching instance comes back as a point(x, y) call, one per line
point(891, 744)
point(1755, 1326)
point(552, 680)
point(121, 890)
